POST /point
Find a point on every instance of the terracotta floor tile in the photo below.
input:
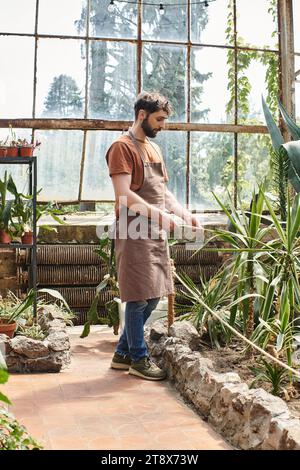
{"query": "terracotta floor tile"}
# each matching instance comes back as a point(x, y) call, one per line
point(68, 443)
point(91, 406)
point(104, 443)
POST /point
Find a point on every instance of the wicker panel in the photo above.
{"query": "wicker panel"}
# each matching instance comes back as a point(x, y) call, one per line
point(81, 315)
point(195, 271)
point(180, 290)
point(65, 275)
point(181, 255)
point(80, 296)
point(65, 254)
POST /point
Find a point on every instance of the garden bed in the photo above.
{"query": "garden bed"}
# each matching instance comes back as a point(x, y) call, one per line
point(232, 359)
point(215, 383)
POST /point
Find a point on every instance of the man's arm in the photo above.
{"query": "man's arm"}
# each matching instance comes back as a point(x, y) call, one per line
point(176, 208)
point(126, 197)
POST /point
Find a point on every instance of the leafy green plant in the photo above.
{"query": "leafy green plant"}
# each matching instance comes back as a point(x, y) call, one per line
point(25, 143)
point(5, 206)
point(13, 309)
point(109, 282)
point(14, 436)
point(245, 238)
point(13, 312)
point(282, 299)
point(287, 155)
point(270, 373)
point(3, 379)
point(33, 332)
point(22, 210)
point(218, 293)
point(49, 209)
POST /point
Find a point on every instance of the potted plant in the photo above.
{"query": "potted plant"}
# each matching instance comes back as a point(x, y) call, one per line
point(22, 214)
point(26, 148)
point(3, 149)
point(5, 211)
point(11, 144)
point(11, 310)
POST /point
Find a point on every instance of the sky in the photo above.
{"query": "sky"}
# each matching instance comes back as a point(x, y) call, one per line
point(61, 56)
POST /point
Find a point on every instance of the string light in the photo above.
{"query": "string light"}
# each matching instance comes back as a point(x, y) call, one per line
point(111, 6)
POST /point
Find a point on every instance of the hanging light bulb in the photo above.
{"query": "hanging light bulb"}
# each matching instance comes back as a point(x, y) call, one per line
point(111, 6)
point(161, 9)
point(206, 3)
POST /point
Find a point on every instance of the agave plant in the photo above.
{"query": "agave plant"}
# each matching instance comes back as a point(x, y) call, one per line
point(277, 335)
point(272, 373)
point(285, 159)
point(219, 294)
point(246, 239)
point(282, 297)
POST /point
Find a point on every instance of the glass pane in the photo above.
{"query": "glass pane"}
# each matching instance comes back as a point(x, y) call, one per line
point(97, 183)
point(211, 169)
point(170, 26)
point(19, 172)
point(257, 76)
point(112, 80)
point(16, 78)
point(209, 94)
point(257, 23)
point(164, 70)
point(209, 24)
point(253, 164)
point(59, 164)
point(121, 22)
point(173, 147)
point(61, 78)
point(17, 16)
point(296, 16)
point(62, 17)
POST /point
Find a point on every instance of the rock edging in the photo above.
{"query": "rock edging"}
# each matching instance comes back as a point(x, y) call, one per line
point(52, 354)
point(247, 418)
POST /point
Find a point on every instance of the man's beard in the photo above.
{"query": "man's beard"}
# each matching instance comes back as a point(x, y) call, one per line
point(149, 132)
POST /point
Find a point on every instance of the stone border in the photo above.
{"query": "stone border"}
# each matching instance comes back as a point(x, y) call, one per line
point(246, 418)
point(24, 354)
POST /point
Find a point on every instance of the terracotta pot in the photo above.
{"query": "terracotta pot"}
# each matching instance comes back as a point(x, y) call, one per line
point(27, 238)
point(3, 152)
point(7, 328)
point(12, 151)
point(26, 151)
point(4, 237)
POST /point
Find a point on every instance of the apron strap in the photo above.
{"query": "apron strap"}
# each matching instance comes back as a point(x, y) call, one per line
point(140, 151)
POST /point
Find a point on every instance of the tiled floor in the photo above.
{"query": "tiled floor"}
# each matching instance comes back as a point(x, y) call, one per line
point(90, 406)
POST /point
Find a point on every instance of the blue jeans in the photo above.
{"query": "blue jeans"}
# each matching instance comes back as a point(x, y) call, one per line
point(132, 340)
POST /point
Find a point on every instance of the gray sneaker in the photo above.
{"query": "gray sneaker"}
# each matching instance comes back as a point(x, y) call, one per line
point(120, 362)
point(146, 369)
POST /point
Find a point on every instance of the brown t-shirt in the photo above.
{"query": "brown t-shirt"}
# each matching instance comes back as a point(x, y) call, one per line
point(123, 157)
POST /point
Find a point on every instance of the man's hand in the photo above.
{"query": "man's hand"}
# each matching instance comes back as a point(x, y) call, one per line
point(191, 220)
point(167, 223)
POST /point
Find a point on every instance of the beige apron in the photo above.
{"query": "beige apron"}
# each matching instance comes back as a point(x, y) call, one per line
point(143, 264)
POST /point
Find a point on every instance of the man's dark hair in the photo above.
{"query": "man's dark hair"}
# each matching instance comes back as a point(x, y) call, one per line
point(151, 102)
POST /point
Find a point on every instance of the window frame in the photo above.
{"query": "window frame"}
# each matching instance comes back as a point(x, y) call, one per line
point(286, 63)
